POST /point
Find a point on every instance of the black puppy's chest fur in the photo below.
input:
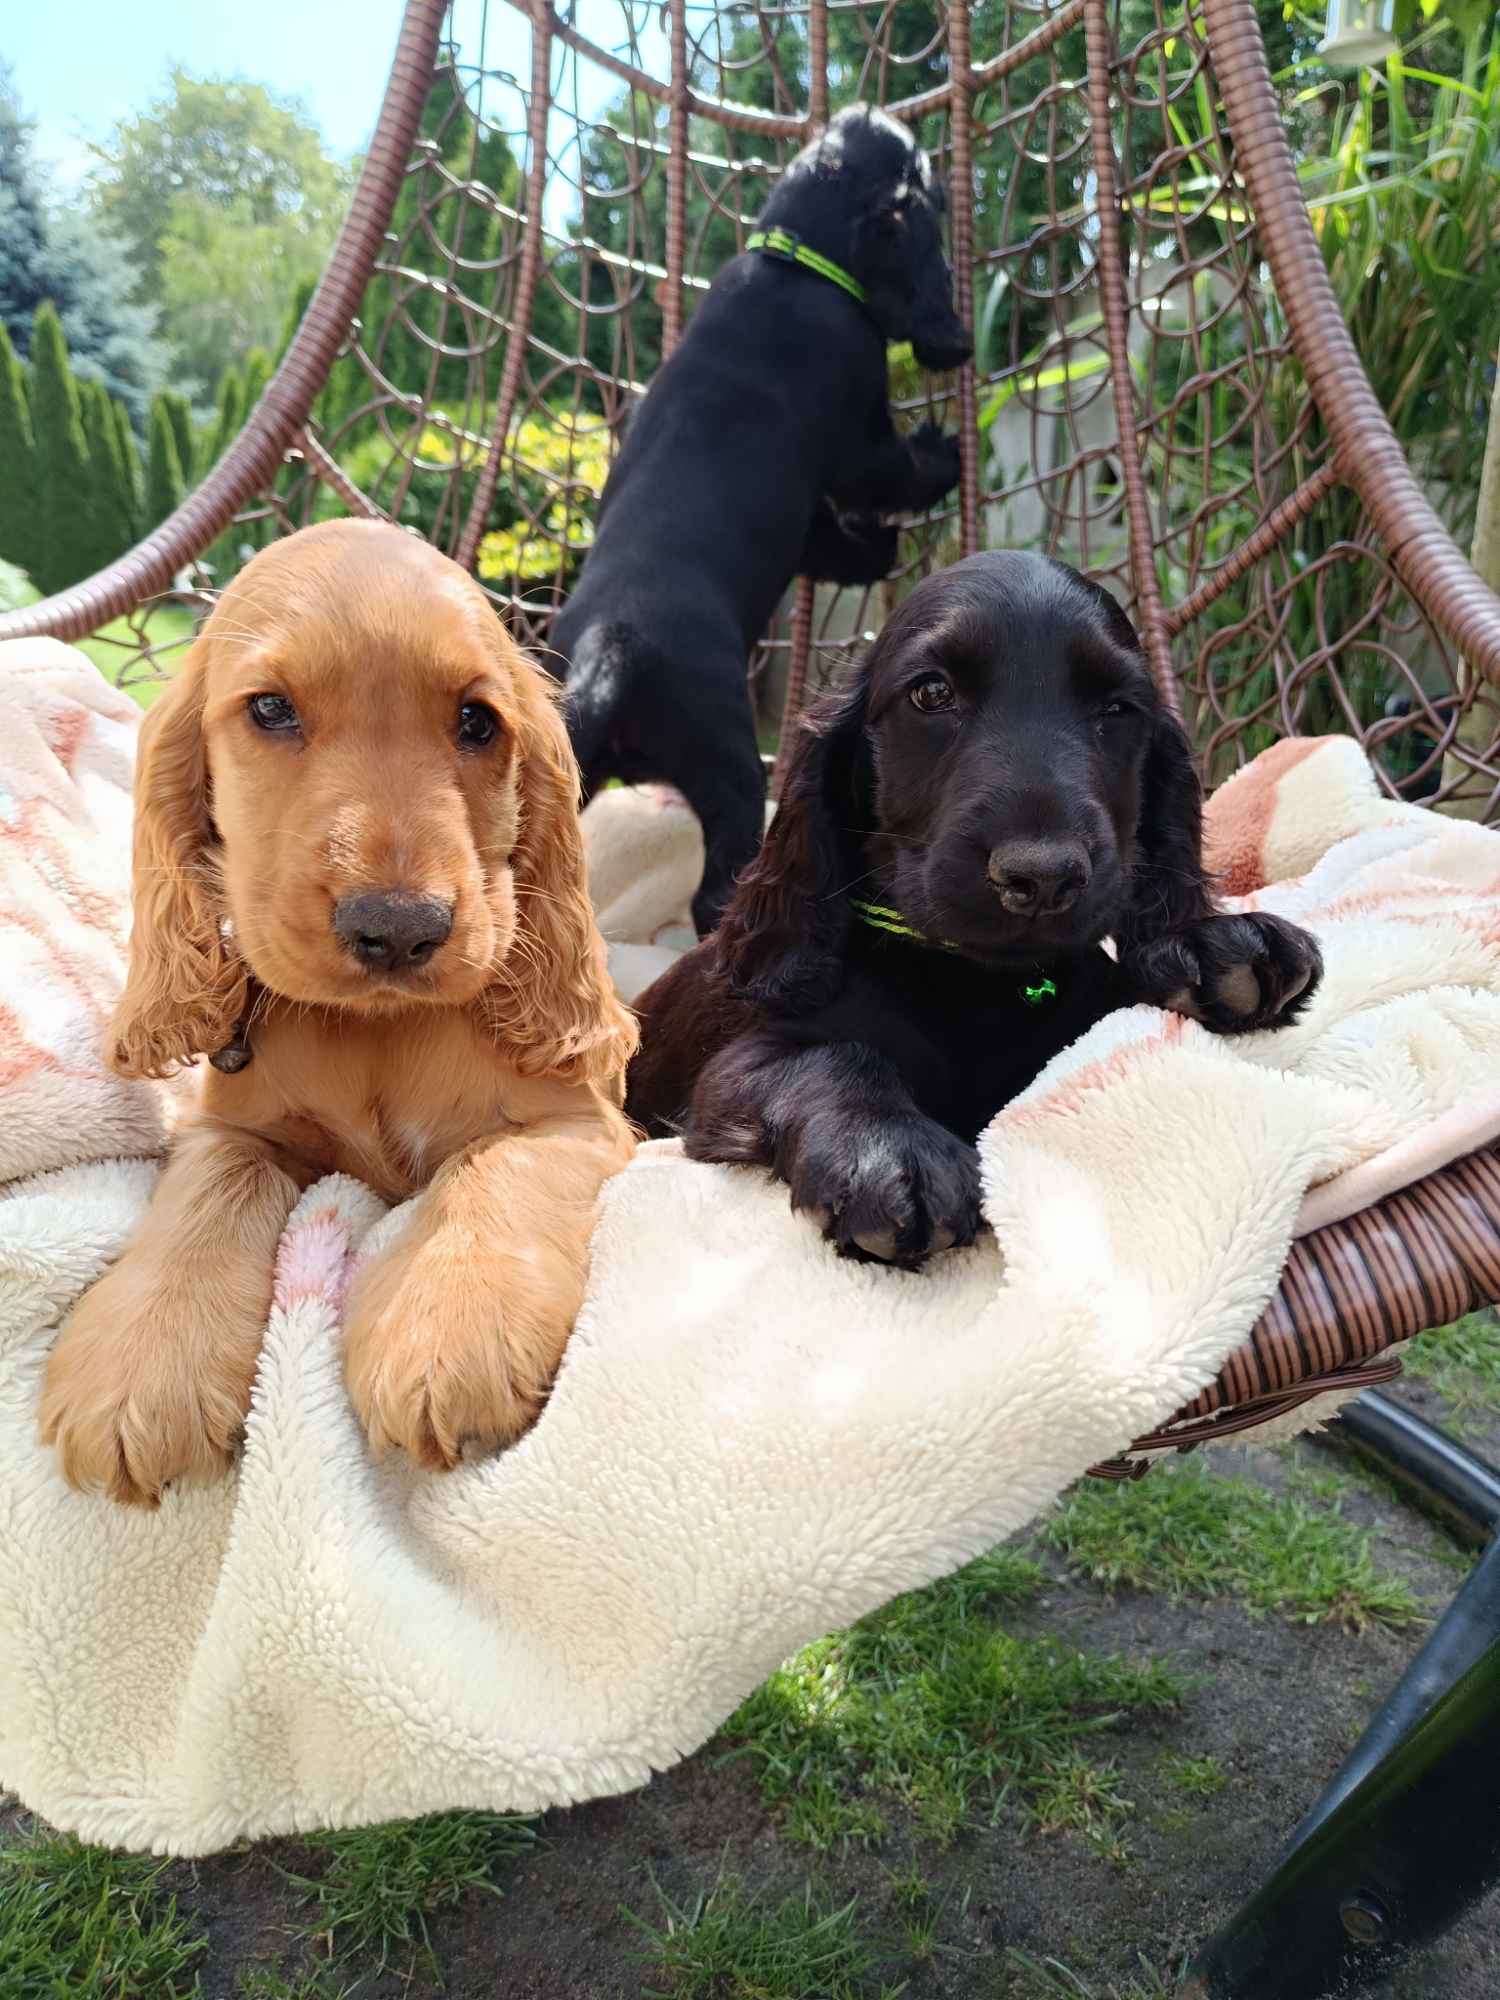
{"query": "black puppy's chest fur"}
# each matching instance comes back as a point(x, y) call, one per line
point(964, 1037)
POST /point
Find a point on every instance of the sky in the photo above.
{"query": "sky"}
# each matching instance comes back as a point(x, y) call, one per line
point(81, 65)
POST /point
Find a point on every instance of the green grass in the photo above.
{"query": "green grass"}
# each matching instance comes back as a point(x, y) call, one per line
point(732, 1945)
point(266, 1985)
point(380, 1884)
point(1199, 1777)
point(82, 1923)
point(1194, 1533)
point(1048, 1979)
point(114, 649)
point(1462, 1363)
point(930, 1707)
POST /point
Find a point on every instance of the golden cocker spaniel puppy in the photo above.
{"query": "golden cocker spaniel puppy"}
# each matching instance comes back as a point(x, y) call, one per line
point(359, 890)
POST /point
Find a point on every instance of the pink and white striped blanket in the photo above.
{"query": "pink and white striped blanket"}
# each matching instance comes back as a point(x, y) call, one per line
point(750, 1442)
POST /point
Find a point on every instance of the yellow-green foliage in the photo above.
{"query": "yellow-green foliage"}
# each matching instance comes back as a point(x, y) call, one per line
point(553, 473)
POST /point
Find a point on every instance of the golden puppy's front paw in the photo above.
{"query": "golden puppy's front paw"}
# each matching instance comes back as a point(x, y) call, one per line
point(142, 1390)
point(440, 1352)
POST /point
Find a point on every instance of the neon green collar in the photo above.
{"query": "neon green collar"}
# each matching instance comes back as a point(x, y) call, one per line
point(782, 243)
point(882, 918)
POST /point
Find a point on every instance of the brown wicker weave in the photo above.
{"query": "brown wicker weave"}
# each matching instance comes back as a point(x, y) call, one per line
point(1147, 407)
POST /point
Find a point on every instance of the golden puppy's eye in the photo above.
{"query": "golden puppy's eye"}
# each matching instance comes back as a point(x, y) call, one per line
point(272, 712)
point(932, 694)
point(478, 724)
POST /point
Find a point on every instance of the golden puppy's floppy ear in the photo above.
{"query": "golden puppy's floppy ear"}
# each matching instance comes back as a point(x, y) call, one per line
point(552, 1001)
point(186, 986)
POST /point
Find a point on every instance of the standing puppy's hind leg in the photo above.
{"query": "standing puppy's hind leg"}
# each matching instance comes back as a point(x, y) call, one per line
point(738, 819)
point(719, 772)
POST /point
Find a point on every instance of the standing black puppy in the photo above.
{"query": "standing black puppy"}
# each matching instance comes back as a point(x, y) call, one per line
point(996, 792)
point(764, 450)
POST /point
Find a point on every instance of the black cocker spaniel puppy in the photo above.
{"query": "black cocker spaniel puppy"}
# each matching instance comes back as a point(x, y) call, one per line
point(996, 792)
point(763, 450)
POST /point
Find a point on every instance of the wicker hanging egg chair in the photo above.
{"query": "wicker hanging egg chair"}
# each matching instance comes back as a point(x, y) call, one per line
point(1165, 393)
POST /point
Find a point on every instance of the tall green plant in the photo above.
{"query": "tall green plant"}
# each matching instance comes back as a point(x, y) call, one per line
point(180, 414)
point(257, 375)
point(108, 508)
point(164, 483)
point(220, 557)
point(1402, 197)
point(130, 466)
point(1404, 207)
point(228, 417)
point(19, 473)
point(1481, 724)
point(63, 554)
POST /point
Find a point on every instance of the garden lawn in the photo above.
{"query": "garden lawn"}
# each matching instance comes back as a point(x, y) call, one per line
point(1043, 1778)
point(115, 648)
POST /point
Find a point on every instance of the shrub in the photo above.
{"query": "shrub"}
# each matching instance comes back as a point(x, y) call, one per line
point(61, 459)
point(180, 412)
point(16, 587)
point(110, 513)
point(130, 467)
point(164, 488)
point(545, 502)
point(19, 540)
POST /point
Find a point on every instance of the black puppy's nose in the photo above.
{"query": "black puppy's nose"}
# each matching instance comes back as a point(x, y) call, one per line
point(1039, 878)
point(392, 931)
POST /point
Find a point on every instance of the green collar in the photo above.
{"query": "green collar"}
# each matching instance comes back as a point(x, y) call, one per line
point(882, 918)
point(782, 243)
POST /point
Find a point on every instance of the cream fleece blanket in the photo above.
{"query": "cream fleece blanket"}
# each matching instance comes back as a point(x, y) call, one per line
point(750, 1442)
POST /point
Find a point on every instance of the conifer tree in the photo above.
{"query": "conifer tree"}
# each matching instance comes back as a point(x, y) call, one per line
point(130, 467)
point(181, 413)
point(108, 506)
point(19, 473)
point(164, 487)
point(63, 512)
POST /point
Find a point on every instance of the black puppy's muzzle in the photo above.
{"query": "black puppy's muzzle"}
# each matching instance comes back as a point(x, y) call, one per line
point(1039, 878)
point(939, 338)
point(942, 346)
point(1015, 892)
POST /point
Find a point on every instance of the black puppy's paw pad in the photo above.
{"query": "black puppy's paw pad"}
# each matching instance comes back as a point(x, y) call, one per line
point(890, 1197)
point(880, 1245)
point(1235, 974)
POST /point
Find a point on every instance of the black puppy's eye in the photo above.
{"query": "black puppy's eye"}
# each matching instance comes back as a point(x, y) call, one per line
point(932, 694)
point(272, 711)
point(478, 724)
point(1113, 711)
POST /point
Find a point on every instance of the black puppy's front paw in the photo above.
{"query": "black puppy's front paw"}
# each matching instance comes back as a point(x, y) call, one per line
point(936, 457)
point(848, 549)
point(891, 1192)
point(1232, 973)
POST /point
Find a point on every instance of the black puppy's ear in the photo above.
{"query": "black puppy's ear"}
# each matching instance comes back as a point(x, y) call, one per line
point(1169, 886)
point(780, 943)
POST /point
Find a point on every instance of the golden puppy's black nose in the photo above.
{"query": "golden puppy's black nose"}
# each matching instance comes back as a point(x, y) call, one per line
point(391, 931)
point(1039, 878)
